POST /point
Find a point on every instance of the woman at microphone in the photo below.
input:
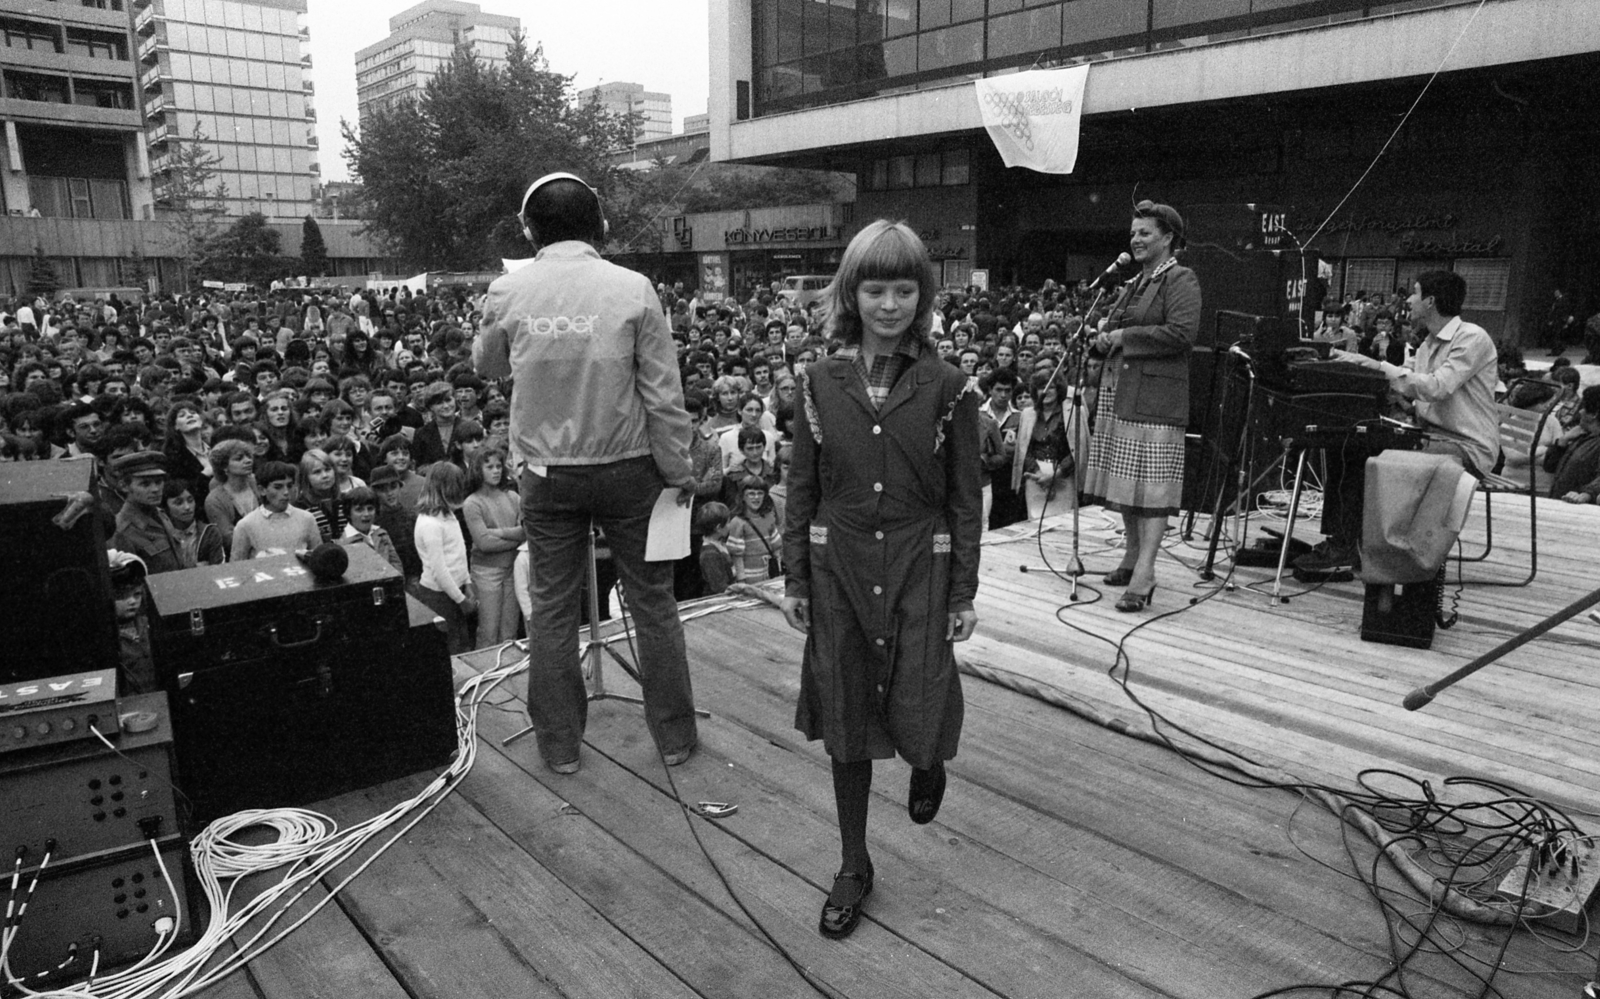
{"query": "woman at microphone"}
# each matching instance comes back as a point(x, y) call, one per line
point(1135, 460)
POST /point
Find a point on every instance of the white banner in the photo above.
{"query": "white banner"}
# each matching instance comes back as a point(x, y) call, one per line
point(1033, 117)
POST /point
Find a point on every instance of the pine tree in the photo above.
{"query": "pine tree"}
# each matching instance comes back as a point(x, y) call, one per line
point(313, 251)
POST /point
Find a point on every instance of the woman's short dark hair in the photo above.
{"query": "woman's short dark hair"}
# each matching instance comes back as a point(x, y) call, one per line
point(883, 251)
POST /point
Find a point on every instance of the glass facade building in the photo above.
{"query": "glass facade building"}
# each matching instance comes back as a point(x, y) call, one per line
point(239, 72)
point(809, 53)
point(422, 41)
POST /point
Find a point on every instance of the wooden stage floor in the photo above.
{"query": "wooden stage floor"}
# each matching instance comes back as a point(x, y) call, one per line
point(1071, 859)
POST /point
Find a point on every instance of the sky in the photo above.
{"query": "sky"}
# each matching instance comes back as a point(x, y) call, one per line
point(660, 44)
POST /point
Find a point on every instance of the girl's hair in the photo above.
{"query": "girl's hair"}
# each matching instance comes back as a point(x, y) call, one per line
point(344, 444)
point(751, 435)
point(175, 486)
point(309, 462)
point(446, 489)
point(738, 384)
point(883, 251)
point(475, 470)
point(755, 482)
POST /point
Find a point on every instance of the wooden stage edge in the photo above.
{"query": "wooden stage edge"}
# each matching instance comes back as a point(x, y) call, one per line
point(1069, 859)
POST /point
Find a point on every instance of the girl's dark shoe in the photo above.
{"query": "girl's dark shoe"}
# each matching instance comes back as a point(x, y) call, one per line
point(1119, 577)
point(842, 911)
point(926, 794)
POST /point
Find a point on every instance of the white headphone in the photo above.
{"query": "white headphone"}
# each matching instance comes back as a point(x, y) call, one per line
point(522, 213)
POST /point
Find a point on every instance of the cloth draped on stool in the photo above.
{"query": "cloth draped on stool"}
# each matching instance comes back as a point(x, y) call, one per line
point(1414, 509)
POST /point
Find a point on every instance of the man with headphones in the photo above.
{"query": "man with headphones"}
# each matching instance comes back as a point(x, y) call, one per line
point(599, 428)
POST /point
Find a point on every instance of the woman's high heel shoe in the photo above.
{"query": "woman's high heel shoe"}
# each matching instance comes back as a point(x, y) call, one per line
point(1119, 577)
point(1131, 602)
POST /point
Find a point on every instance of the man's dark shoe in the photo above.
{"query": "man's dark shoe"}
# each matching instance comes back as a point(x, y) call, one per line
point(1327, 557)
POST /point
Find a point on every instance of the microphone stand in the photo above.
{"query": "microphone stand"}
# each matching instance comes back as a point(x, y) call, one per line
point(1239, 458)
point(1079, 345)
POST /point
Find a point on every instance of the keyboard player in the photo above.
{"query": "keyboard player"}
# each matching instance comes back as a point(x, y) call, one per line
point(1449, 381)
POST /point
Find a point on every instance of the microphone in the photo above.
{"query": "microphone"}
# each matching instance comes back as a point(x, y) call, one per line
point(1108, 277)
point(1240, 352)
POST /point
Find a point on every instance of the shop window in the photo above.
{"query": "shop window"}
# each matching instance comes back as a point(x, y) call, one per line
point(902, 172)
point(1487, 281)
point(927, 170)
point(957, 171)
point(876, 176)
point(1369, 275)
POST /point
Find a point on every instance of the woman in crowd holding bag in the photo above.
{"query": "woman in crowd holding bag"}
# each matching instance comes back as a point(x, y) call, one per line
point(881, 543)
point(1135, 461)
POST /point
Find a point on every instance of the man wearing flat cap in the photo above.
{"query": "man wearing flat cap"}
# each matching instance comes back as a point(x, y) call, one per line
point(142, 526)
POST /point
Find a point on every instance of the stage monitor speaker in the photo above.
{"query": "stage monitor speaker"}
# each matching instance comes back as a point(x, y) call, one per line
point(310, 691)
point(55, 580)
point(1401, 615)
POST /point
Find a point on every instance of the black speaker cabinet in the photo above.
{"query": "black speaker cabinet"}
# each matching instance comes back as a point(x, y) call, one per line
point(1401, 614)
point(55, 581)
point(285, 691)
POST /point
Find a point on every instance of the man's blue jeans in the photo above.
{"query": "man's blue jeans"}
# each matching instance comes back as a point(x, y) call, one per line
point(557, 511)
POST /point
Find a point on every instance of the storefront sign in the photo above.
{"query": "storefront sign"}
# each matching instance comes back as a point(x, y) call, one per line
point(1404, 224)
point(1458, 248)
point(786, 234)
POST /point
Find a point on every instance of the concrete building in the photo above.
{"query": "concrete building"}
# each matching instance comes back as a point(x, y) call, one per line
point(422, 40)
point(632, 98)
point(1238, 113)
point(74, 136)
point(239, 71)
point(694, 124)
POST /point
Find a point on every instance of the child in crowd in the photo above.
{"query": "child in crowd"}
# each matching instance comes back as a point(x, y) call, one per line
point(494, 519)
point(274, 527)
point(395, 451)
point(342, 452)
point(361, 527)
point(201, 542)
point(316, 490)
point(137, 667)
point(756, 535)
point(446, 586)
point(397, 521)
point(716, 565)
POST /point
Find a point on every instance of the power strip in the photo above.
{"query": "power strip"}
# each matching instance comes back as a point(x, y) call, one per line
point(1558, 897)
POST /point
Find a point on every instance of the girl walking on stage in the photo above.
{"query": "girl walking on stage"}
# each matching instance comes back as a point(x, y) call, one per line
point(881, 543)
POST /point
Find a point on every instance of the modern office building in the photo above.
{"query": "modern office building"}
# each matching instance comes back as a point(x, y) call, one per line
point(74, 143)
point(632, 98)
point(422, 41)
point(694, 124)
point(1235, 111)
point(239, 72)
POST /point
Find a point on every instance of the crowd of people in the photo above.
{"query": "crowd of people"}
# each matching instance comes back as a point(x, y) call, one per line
point(224, 426)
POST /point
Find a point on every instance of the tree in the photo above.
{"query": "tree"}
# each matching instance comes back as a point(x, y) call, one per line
point(136, 269)
point(442, 175)
point(313, 251)
point(42, 279)
point(246, 251)
point(189, 198)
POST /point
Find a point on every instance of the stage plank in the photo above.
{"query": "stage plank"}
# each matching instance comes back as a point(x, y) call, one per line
point(1069, 858)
